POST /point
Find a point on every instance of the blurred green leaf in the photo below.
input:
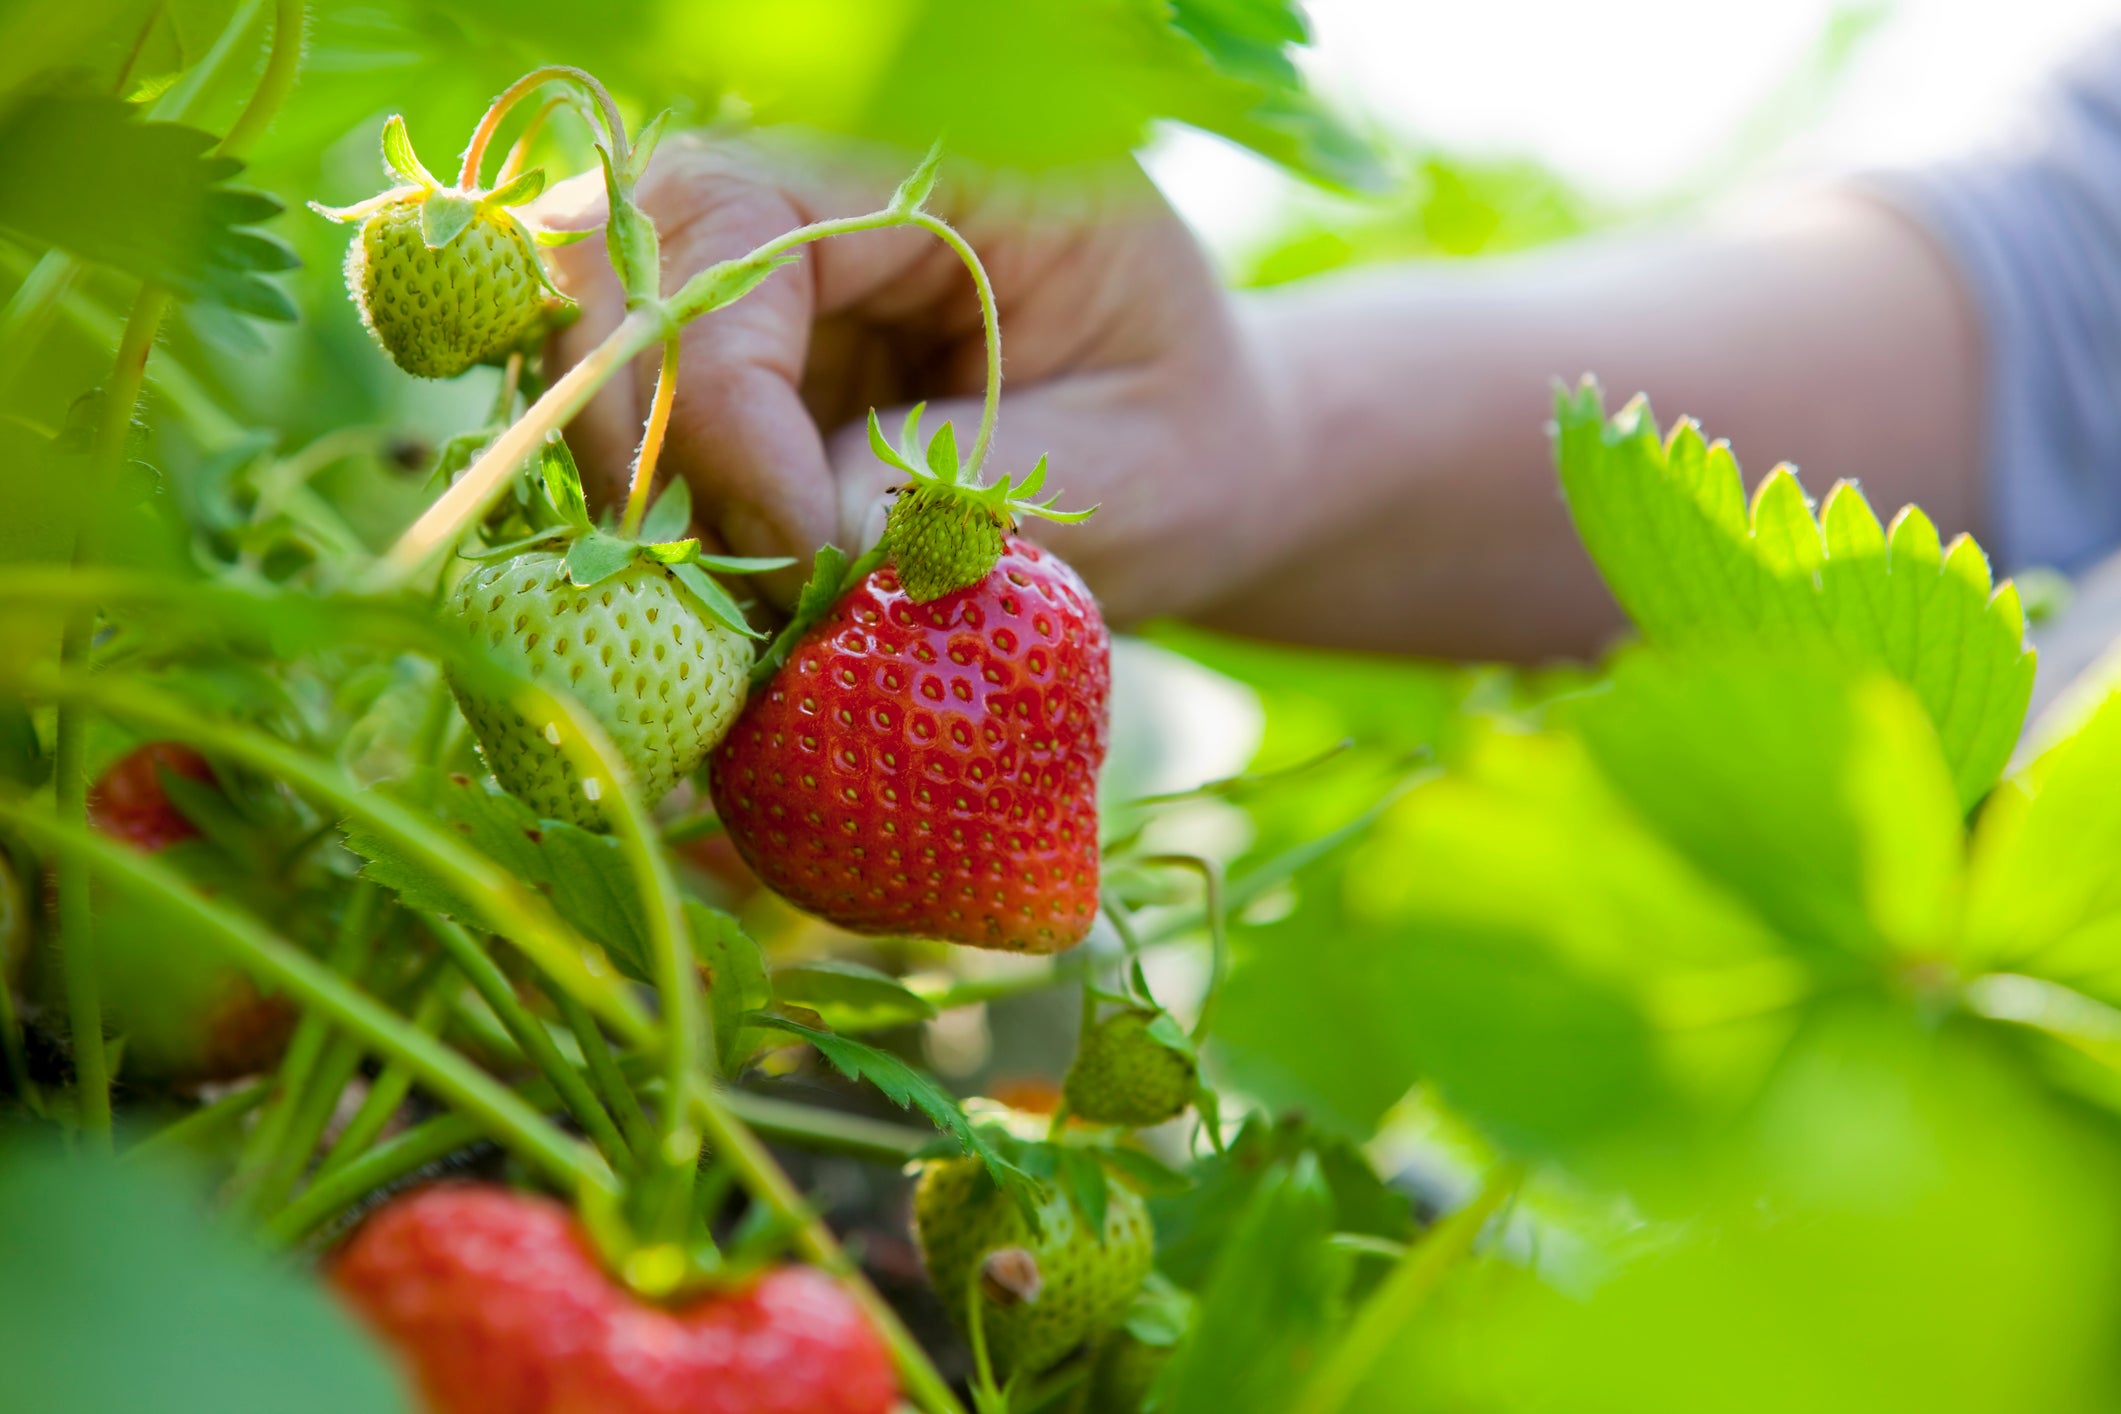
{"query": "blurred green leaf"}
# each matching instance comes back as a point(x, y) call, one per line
point(117, 1293)
point(735, 975)
point(86, 175)
point(849, 996)
point(1270, 1306)
point(1668, 524)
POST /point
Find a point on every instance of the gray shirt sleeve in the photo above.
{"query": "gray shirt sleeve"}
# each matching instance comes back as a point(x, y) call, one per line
point(2035, 227)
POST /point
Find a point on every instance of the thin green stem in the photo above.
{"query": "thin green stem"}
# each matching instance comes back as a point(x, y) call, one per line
point(351, 947)
point(393, 1085)
point(1211, 875)
point(1383, 1318)
point(176, 103)
point(530, 1036)
point(279, 964)
point(604, 1072)
point(77, 943)
point(666, 388)
point(30, 310)
point(281, 64)
point(311, 1116)
point(990, 317)
point(340, 1189)
point(201, 1123)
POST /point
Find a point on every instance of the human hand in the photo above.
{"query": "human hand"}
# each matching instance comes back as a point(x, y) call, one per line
point(1124, 362)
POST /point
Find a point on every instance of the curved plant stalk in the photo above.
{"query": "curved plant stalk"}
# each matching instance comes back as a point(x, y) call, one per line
point(490, 123)
point(605, 1073)
point(277, 963)
point(282, 62)
point(339, 1189)
point(1212, 907)
point(1384, 1316)
point(519, 151)
point(991, 320)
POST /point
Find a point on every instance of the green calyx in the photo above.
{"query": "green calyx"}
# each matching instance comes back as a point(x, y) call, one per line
point(946, 531)
point(594, 553)
point(446, 213)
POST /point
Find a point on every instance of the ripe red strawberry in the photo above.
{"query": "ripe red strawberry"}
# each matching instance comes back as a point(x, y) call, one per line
point(185, 1014)
point(497, 1305)
point(128, 802)
point(931, 768)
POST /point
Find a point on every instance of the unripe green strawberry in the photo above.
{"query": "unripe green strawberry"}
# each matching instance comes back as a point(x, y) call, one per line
point(444, 277)
point(439, 311)
point(663, 678)
point(1135, 1068)
point(1080, 1283)
point(940, 541)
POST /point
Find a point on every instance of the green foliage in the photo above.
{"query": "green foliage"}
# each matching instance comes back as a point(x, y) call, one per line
point(87, 176)
point(96, 1260)
point(1696, 567)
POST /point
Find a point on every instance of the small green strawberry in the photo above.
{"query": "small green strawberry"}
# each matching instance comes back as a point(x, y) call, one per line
point(632, 629)
point(444, 278)
point(1042, 1290)
point(1136, 1067)
point(663, 678)
point(945, 531)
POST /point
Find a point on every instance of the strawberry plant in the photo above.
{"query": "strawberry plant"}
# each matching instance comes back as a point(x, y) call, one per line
point(463, 949)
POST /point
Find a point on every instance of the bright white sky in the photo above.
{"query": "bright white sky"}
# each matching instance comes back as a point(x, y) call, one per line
point(1631, 96)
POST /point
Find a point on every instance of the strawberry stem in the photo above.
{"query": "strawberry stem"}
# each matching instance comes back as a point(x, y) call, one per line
point(272, 960)
point(490, 124)
point(519, 151)
point(274, 84)
point(394, 1084)
point(666, 389)
point(77, 942)
point(990, 318)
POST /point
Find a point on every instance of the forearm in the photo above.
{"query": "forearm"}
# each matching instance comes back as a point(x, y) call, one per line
point(1835, 337)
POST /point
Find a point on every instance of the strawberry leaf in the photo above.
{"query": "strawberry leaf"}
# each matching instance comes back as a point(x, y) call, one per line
point(547, 237)
point(1668, 525)
point(849, 996)
point(527, 187)
point(830, 576)
point(713, 599)
point(1082, 1178)
point(735, 974)
point(598, 556)
point(400, 159)
point(942, 455)
point(723, 284)
point(670, 517)
point(444, 216)
point(885, 452)
point(1147, 1172)
point(743, 564)
point(907, 1088)
point(87, 176)
point(563, 484)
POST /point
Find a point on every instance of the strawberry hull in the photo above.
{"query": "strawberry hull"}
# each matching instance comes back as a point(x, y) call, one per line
point(931, 769)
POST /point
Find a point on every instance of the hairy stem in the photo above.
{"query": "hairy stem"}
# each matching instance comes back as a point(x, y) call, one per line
point(990, 317)
point(666, 389)
point(278, 80)
point(490, 124)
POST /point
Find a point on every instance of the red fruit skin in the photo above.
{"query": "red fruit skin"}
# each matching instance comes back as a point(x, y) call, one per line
point(931, 769)
point(497, 1306)
point(127, 801)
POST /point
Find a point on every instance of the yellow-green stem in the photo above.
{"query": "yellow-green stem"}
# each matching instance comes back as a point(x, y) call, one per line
point(666, 389)
point(990, 318)
point(278, 80)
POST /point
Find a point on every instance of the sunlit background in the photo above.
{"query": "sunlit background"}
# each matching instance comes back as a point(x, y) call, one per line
point(1640, 103)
